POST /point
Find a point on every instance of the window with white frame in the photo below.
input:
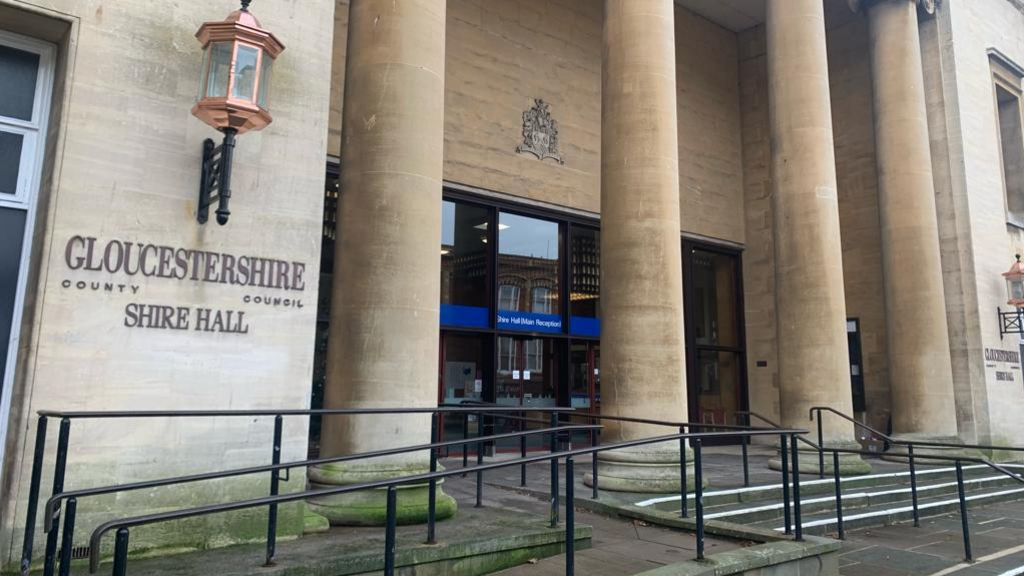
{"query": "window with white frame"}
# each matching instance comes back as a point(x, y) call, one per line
point(26, 79)
point(508, 297)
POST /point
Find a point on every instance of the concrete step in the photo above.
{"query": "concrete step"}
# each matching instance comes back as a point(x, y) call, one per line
point(823, 521)
point(747, 512)
point(812, 486)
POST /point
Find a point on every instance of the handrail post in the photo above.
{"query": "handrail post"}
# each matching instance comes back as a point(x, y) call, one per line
point(783, 451)
point(698, 499)
point(67, 540)
point(797, 520)
point(963, 512)
point(745, 439)
point(522, 448)
point(479, 459)
point(33, 496)
point(58, 486)
point(913, 484)
point(821, 450)
point(594, 441)
point(275, 479)
point(839, 494)
point(389, 532)
point(432, 495)
point(570, 518)
point(554, 470)
point(121, 553)
point(684, 512)
point(465, 445)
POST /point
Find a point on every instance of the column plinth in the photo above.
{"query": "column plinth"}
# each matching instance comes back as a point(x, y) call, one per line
point(642, 344)
point(920, 368)
point(383, 340)
point(814, 364)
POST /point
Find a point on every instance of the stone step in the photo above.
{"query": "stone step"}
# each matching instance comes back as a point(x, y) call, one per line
point(824, 521)
point(813, 486)
point(758, 512)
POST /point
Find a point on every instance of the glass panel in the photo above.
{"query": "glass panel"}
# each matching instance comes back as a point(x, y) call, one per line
point(245, 72)
point(579, 374)
point(719, 381)
point(12, 235)
point(268, 65)
point(19, 70)
point(463, 368)
point(220, 68)
point(528, 259)
point(586, 272)
point(464, 257)
point(528, 371)
point(714, 291)
point(10, 161)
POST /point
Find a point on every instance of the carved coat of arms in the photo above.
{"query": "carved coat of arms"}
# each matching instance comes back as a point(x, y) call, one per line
point(540, 133)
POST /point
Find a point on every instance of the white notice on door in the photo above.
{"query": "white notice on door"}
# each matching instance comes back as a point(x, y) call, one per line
point(515, 374)
point(478, 386)
point(526, 375)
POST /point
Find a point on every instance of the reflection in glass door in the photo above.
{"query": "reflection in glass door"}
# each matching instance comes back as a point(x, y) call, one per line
point(585, 381)
point(527, 375)
point(716, 354)
point(464, 377)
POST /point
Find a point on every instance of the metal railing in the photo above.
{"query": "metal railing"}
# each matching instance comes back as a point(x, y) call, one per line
point(69, 500)
point(122, 526)
point(958, 461)
point(53, 508)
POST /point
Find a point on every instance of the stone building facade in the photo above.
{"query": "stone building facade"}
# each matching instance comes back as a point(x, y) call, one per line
point(749, 204)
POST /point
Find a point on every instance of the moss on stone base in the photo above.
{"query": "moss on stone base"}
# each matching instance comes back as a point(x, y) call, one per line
point(369, 507)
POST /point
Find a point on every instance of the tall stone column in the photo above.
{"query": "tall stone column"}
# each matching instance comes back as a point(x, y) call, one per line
point(920, 368)
point(383, 340)
point(814, 363)
point(642, 346)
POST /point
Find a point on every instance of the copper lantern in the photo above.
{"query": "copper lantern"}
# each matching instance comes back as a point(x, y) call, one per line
point(1015, 284)
point(238, 57)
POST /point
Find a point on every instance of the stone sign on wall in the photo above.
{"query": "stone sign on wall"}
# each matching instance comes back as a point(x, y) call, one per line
point(265, 281)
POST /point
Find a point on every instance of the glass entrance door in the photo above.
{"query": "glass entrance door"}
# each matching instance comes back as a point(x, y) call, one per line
point(465, 378)
point(716, 354)
point(584, 382)
point(527, 375)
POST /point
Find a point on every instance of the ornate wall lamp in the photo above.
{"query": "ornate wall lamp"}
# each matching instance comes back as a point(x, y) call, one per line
point(237, 59)
point(1013, 322)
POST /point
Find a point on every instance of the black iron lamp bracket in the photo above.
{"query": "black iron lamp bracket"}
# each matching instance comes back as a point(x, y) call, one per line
point(1010, 322)
point(215, 180)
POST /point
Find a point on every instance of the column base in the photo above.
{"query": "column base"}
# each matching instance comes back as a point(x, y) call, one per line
point(645, 472)
point(898, 452)
point(369, 507)
point(849, 464)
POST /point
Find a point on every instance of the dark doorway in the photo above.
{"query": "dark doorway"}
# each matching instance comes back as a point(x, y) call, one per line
point(856, 367)
point(715, 339)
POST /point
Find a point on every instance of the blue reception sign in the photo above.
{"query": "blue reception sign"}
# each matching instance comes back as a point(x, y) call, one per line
point(583, 326)
point(529, 321)
point(465, 316)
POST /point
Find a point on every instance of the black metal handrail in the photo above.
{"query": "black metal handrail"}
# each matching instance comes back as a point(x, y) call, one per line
point(123, 525)
point(54, 501)
point(60, 464)
point(910, 445)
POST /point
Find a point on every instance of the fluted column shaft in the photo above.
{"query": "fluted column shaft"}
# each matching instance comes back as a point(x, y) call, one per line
point(814, 365)
point(383, 341)
point(642, 344)
point(920, 371)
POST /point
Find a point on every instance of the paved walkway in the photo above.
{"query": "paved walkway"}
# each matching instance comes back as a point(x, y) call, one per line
point(937, 549)
point(619, 547)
